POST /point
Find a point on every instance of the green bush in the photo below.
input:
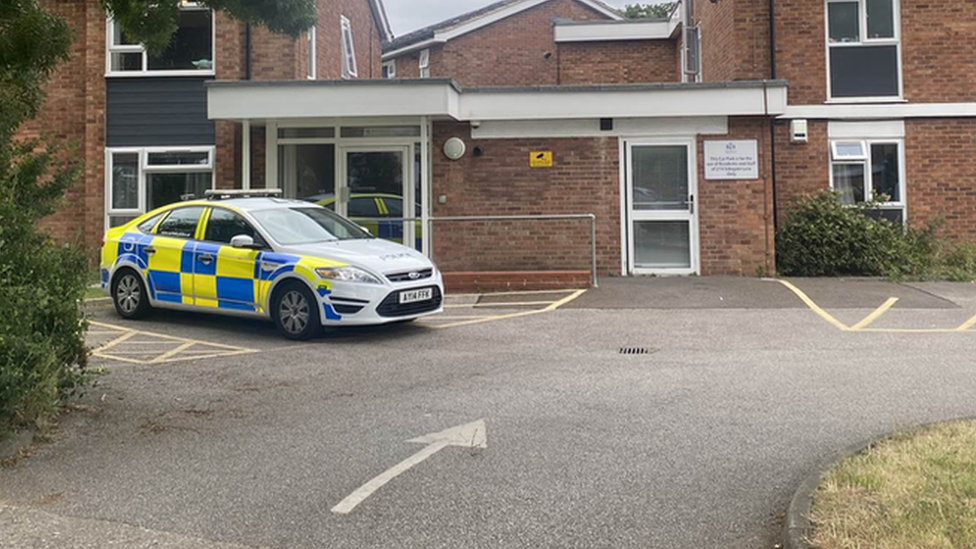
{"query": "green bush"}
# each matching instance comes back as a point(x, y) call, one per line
point(42, 346)
point(822, 237)
point(42, 343)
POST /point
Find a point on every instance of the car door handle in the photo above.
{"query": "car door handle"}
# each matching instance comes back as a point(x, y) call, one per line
point(206, 259)
point(150, 250)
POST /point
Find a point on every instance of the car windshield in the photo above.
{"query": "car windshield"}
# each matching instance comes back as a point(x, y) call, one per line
point(290, 226)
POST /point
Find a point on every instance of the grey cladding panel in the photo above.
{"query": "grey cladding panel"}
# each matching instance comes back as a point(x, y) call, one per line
point(151, 112)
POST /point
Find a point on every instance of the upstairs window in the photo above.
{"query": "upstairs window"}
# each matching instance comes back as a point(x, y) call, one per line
point(348, 51)
point(389, 70)
point(310, 67)
point(424, 63)
point(862, 170)
point(189, 52)
point(863, 49)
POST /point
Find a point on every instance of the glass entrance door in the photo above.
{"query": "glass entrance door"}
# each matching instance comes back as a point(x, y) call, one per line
point(376, 185)
point(663, 216)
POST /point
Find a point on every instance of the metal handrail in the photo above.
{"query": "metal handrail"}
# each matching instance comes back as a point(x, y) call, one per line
point(544, 217)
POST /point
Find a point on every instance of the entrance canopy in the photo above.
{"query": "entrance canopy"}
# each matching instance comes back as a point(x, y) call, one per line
point(445, 99)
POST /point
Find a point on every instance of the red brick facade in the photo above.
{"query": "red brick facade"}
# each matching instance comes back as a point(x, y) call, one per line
point(626, 62)
point(736, 217)
point(585, 178)
point(941, 174)
point(521, 50)
point(74, 114)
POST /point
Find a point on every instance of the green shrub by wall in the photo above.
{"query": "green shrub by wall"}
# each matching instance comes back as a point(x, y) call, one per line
point(822, 237)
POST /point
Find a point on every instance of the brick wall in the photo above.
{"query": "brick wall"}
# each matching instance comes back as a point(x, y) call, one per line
point(938, 40)
point(329, 39)
point(801, 168)
point(734, 38)
point(800, 50)
point(735, 217)
point(941, 175)
point(73, 114)
point(511, 52)
point(585, 179)
point(622, 62)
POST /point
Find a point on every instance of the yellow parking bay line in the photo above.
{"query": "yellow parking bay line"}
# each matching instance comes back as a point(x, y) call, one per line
point(813, 305)
point(868, 320)
point(969, 324)
point(182, 345)
point(552, 307)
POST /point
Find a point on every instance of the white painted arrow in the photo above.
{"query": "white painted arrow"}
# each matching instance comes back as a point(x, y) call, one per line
point(469, 435)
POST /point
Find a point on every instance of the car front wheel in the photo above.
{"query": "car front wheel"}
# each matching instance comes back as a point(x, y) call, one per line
point(296, 312)
point(129, 295)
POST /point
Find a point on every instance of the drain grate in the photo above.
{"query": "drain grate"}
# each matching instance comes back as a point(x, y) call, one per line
point(636, 350)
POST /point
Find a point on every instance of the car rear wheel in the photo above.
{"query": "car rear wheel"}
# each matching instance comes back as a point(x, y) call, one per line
point(129, 295)
point(296, 312)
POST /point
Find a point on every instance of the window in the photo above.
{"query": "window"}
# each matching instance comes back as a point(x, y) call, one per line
point(389, 70)
point(424, 64)
point(141, 180)
point(181, 223)
point(865, 170)
point(223, 225)
point(148, 225)
point(190, 51)
point(310, 69)
point(863, 49)
point(348, 51)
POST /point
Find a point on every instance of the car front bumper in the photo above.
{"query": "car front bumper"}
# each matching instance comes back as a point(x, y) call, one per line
point(348, 304)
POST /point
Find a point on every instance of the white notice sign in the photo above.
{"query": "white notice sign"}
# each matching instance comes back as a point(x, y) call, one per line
point(732, 160)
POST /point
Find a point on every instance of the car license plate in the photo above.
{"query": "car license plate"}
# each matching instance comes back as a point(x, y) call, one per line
point(413, 296)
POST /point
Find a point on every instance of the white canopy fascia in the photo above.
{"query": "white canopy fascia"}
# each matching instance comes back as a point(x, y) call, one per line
point(295, 100)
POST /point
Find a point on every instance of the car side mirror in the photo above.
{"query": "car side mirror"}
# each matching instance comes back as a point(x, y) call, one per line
point(367, 231)
point(242, 241)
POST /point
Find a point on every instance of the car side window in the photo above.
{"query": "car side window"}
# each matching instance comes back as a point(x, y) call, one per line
point(148, 225)
point(181, 223)
point(224, 225)
point(363, 207)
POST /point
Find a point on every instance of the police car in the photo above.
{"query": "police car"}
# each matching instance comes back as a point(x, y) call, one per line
point(252, 253)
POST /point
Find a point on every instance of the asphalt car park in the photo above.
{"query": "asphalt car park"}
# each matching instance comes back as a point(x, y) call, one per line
point(512, 421)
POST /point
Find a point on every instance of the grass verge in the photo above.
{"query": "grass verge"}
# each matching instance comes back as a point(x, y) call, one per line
point(914, 491)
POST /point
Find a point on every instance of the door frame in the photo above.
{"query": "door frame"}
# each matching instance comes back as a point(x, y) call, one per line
point(691, 216)
point(344, 195)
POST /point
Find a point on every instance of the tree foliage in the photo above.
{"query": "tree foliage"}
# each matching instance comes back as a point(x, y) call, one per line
point(153, 22)
point(649, 11)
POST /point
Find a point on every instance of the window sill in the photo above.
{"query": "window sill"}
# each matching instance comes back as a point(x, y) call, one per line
point(863, 100)
point(155, 74)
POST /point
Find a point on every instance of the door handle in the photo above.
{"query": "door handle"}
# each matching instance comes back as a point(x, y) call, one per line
point(149, 250)
point(691, 204)
point(206, 259)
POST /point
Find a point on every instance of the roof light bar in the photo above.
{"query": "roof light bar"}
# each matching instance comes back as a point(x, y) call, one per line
point(224, 194)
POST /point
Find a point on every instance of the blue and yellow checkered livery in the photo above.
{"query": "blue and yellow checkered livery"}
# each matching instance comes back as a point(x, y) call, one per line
point(203, 274)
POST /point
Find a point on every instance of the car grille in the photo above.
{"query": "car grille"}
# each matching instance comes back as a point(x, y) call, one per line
point(405, 277)
point(391, 307)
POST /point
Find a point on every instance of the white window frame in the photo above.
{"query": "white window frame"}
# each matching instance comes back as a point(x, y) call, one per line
point(902, 202)
point(144, 170)
point(864, 40)
point(111, 48)
point(423, 64)
point(349, 69)
point(311, 68)
point(390, 68)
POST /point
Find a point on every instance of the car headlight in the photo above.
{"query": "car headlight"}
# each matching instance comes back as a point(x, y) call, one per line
point(347, 274)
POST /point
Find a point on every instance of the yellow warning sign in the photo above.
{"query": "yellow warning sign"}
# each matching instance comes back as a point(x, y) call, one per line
point(540, 159)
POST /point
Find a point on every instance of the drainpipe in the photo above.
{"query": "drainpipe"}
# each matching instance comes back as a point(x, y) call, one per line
point(772, 124)
point(247, 51)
